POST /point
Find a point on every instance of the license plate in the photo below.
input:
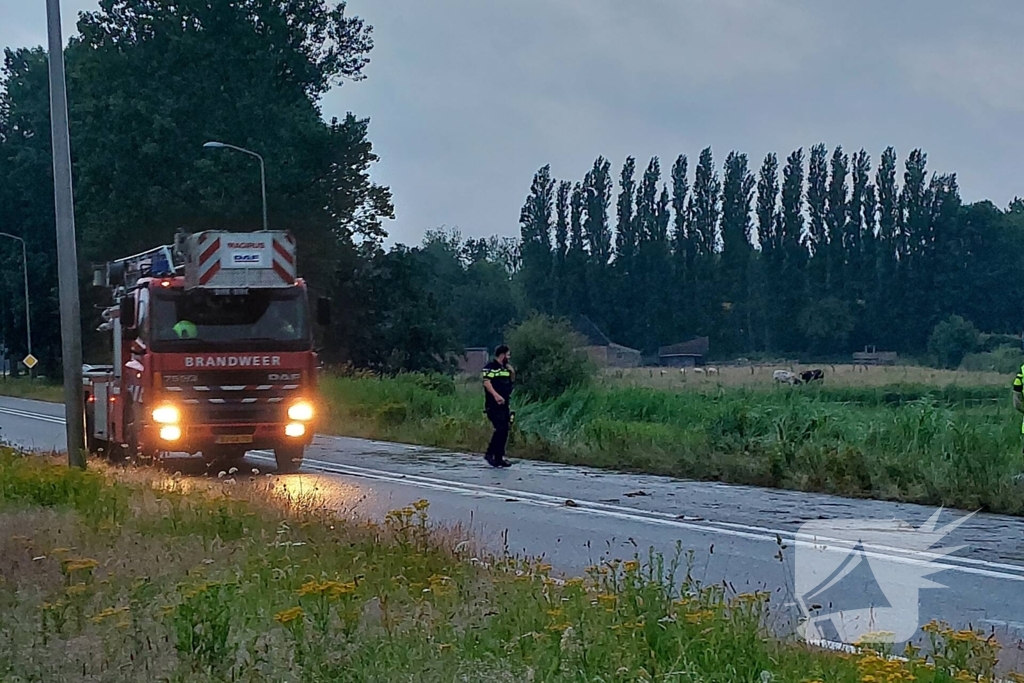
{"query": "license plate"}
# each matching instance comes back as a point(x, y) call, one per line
point(234, 438)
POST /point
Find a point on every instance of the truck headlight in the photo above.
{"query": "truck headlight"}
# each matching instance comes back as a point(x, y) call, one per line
point(170, 433)
point(295, 430)
point(166, 415)
point(301, 412)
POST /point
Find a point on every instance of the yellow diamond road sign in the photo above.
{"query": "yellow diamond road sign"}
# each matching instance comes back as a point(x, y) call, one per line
point(30, 361)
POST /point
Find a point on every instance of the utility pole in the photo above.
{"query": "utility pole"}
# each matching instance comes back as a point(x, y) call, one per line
point(67, 251)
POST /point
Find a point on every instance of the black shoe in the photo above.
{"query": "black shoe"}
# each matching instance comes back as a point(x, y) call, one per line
point(490, 460)
point(504, 463)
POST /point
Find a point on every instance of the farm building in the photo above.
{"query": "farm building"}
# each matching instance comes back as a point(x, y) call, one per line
point(686, 354)
point(473, 360)
point(871, 356)
point(602, 350)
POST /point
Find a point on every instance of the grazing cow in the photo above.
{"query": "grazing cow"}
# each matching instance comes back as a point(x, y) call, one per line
point(808, 376)
point(712, 370)
point(785, 377)
point(699, 371)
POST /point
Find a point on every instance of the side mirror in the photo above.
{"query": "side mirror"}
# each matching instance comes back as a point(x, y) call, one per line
point(323, 312)
point(127, 312)
point(115, 274)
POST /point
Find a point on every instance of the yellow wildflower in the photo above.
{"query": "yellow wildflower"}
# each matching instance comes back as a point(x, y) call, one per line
point(83, 564)
point(107, 613)
point(288, 616)
point(631, 566)
point(421, 505)
point(699, 617)
point(965, 636)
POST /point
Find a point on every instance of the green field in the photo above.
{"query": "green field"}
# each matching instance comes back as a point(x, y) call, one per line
point(126, 576)
point(947, 439)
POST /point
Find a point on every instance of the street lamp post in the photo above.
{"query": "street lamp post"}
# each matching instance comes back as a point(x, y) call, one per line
point(24, 267)
point(263, 171)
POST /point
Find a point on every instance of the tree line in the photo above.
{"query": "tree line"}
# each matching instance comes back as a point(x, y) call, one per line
point(819, 253)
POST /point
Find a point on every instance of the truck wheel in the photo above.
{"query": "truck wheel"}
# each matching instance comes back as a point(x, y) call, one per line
point(131, 436)
point(289, 458)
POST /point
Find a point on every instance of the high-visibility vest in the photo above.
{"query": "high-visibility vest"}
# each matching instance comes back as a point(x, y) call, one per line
point(1018, 385)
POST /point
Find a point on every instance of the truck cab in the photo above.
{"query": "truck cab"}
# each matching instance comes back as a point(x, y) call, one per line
point(213, 356)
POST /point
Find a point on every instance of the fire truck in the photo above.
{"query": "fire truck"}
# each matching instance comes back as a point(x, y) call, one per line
point(213, 352)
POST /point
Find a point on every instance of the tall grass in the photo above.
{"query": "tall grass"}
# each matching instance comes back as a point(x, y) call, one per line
point(957, 445)
point(38, 389)
point(297, 594)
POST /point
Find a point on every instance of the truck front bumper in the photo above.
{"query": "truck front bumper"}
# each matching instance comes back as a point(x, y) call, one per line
point(195, 438)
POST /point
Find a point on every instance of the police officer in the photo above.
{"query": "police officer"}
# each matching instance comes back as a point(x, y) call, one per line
point(1018, 393)
point(498, 376)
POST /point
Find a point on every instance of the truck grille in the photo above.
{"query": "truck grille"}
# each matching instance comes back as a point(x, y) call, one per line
point(233, 397)
point(227, 413)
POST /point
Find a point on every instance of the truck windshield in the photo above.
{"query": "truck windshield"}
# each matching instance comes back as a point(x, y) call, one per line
point(203, 318)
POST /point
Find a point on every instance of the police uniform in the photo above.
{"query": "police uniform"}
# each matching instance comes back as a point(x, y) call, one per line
point(500, 377)
point(1018, 393)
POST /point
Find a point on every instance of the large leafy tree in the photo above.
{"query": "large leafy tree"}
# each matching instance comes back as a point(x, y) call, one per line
point(150, 81)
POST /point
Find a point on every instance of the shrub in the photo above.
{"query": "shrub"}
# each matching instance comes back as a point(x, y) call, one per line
point(951, 340)
point(547, 357)
point(1006, 360)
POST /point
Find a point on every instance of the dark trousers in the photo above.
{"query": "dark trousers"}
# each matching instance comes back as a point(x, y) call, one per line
point(500, 417)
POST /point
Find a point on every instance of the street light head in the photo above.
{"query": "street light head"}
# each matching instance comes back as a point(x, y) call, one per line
point(214, 145)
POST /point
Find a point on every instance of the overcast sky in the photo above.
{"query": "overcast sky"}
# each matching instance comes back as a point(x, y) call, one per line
point(467, 98)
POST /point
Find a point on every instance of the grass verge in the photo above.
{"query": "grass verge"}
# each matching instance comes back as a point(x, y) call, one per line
point(104, 580)
point(38, 390)
point(957, 445)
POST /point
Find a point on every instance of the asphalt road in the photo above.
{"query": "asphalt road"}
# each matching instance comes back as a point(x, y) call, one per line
point(575, 517)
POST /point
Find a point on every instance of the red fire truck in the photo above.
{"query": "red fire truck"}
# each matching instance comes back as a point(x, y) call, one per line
point(213, 351)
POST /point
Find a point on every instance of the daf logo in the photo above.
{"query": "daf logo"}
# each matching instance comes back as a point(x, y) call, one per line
point(285, 378)
point(247, 258)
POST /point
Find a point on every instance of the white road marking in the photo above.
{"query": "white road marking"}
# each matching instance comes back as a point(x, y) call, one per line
point(962, 565)
point(54, 419)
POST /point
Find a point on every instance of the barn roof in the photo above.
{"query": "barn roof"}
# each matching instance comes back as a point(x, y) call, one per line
point(590, 332)
point(695, 347)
